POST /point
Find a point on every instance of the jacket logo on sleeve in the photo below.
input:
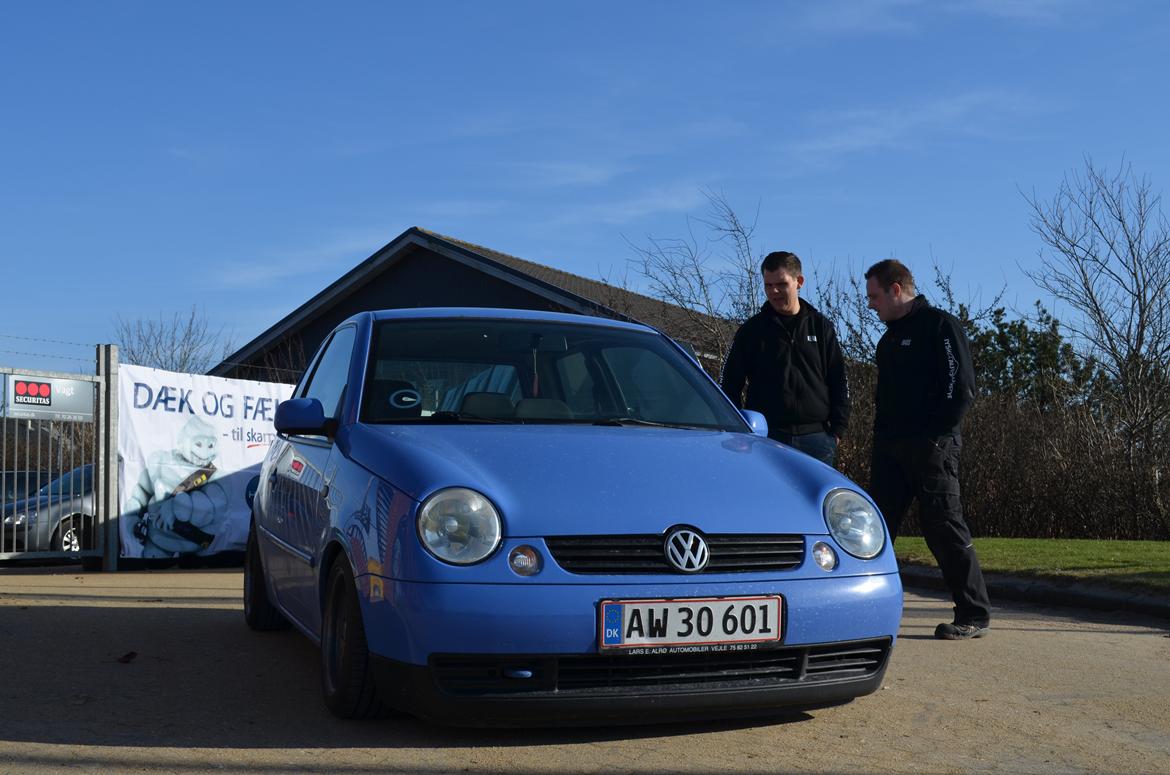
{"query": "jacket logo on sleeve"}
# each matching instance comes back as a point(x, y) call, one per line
point(812, 337)
point(905, 342)
point(952, 368)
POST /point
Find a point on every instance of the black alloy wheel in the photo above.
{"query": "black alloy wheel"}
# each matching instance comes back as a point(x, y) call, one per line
point(259, 612)
point(346, 682)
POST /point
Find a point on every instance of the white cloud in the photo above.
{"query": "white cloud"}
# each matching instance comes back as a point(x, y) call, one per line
point(908, 16)
point(681, 197)
point(339, 255)
point(181, 153)
point(458, 208)
point(837, 134)
point(858, 16)
point(569, 173)
point(1034, 11)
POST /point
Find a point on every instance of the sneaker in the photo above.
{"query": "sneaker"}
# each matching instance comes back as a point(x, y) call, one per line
point(948, 631)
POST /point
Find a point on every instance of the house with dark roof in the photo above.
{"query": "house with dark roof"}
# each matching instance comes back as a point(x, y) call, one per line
point(420, 268)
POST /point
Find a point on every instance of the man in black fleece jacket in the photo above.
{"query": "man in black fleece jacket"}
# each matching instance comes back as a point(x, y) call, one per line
point(788, 355)
point(926, 383)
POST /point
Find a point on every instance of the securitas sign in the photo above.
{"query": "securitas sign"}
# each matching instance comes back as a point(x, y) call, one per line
point(47, 398)
point(28, 392)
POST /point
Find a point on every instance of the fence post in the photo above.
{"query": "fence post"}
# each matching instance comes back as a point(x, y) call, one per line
point(107, 454)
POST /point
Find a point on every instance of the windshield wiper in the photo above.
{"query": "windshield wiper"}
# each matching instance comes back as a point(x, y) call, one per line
point(619, 421)
point(442, 418)
point(459, 417)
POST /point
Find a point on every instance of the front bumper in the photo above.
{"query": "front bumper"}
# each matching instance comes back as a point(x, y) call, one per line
point(538, 690)
point(526, 653)
point(16, 538)
point(409, 621)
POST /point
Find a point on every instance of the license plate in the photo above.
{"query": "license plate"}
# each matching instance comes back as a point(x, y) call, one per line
point(708, 624)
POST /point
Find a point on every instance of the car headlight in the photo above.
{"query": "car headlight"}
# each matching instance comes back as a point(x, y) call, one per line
point(459, 526)
point(16, 520)
point(855, 523)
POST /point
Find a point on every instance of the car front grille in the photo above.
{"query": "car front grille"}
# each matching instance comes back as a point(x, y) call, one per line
point(606, 674)
point(644, 554)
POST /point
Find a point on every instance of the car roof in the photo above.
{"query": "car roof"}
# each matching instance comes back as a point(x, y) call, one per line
point(490, 313)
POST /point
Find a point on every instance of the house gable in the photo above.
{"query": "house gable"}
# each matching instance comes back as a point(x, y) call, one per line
point(424, 269)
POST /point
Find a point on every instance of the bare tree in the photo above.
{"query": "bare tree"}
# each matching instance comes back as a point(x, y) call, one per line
point(843, 300)
point(184, 343)
point(285, 361)
point(740, 279)
point(1108, 259)
point(714, 281)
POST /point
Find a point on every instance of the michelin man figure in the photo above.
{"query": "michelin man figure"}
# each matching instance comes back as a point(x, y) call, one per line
point(179, 505)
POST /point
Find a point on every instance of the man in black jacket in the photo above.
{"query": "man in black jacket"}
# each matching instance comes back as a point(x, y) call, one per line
point(926, 382)
point(788, 355)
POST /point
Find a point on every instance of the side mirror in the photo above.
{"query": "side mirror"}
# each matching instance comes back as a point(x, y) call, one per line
point(755, 420)
point(303, 417)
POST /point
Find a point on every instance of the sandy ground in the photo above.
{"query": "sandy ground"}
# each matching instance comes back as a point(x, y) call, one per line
point(156, 672)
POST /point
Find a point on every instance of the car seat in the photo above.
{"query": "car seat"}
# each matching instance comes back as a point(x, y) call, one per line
point(492, 405)
point(543, 409)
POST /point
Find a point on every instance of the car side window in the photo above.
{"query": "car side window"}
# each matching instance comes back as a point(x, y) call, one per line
point(329, 379)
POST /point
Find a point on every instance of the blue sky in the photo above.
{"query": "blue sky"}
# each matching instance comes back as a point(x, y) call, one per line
point(241, 156)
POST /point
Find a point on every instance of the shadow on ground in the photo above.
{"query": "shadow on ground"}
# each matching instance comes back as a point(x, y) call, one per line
point(147, 675)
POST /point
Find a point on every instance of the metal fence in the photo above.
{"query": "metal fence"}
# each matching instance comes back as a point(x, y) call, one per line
point(58, 464)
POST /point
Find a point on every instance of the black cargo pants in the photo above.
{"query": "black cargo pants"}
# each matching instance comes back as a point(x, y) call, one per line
point(928, 469)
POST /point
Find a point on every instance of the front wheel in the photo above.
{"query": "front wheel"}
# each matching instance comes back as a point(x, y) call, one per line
point(73, 534)
point(345, 657)
point(259, 612)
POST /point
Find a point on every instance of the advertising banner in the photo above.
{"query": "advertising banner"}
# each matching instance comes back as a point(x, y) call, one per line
point(189, 444)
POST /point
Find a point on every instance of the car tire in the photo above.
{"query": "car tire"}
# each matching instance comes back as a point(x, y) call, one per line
point(259, 612)
point(72, 534)
point(346, 682)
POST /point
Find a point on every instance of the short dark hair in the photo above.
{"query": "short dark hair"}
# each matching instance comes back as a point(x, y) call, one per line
point(890, 271)
point(781, 259)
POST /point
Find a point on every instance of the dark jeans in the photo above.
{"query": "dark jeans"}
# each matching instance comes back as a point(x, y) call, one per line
point(822, 446)
point(928, 469)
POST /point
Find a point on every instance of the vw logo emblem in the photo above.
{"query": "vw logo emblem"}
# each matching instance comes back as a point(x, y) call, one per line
point(686, 550)
point(404, 399)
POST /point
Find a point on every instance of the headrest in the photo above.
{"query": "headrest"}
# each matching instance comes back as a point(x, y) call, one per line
point(543, 409)
point(487, 405)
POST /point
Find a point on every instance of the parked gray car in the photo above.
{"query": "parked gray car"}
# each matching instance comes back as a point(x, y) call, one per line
point(56, 518)
point(16, 485)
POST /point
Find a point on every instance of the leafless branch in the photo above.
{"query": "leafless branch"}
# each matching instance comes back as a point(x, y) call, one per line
point(184, 343)
point(1107, 257)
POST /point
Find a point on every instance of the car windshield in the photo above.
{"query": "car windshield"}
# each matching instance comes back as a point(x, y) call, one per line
point(461, 370)
point(17, 484)
point(76, 482)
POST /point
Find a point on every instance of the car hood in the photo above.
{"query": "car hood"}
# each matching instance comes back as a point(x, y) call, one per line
point(33, 503)
point(581, 479)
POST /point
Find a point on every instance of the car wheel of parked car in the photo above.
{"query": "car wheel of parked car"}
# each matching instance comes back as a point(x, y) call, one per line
point(259, 612)
point(71, 535)
point(345, 657)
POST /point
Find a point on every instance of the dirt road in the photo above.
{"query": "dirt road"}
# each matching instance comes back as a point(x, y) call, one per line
point(156, 672)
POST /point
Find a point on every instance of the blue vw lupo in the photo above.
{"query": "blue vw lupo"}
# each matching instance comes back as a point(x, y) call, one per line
point(502, 516)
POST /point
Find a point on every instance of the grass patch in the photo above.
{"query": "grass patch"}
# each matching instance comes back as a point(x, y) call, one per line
point(1142, 565)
